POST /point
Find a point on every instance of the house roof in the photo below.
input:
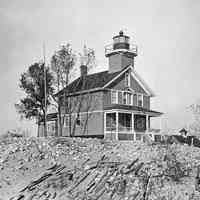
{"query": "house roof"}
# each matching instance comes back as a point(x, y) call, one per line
point(101, 80)
point(135, 108)
point(91, 81)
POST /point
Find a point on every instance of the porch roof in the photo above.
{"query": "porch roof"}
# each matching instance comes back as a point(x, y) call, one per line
point(133, 108)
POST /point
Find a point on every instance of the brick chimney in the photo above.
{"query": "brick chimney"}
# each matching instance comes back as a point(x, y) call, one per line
point(83, 69)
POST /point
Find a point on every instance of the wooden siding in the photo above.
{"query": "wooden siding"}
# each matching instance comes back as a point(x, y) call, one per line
point(107, 99)
point(89, 102)
point(146, 102)
point(41, 130)
point(110, 135)
point(50, 130)
point(136, 87)
point(119, 84)
point(91, 124)
point(125, 136)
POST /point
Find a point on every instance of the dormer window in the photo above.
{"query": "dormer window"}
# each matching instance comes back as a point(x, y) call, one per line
point(114, 97)
point(140, 100)
point(127, 79)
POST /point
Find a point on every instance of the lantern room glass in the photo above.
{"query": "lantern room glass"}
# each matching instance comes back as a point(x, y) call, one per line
point(121, 39)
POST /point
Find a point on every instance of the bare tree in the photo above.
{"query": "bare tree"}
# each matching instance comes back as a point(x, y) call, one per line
point(82, 101)
point(62, 63)
point(194, 127)
point(87, 58)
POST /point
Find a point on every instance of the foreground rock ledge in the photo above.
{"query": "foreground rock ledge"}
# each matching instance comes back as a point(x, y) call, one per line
point(67, 168)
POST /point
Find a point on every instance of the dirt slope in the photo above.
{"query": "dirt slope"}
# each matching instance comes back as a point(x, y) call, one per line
point(68, 168)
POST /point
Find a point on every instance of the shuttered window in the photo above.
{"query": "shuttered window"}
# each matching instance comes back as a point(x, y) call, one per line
point(127, 98)
point(140, 100)
point(114, 97)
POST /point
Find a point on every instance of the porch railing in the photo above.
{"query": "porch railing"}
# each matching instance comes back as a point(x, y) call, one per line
point(132, 48)
point(124, 129)
point(120, 129)
point(111, 129)
point(148, 136)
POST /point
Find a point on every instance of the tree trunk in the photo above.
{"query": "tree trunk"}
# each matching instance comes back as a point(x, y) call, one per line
point(38, 124)
point(45, 125)
point(59, 120)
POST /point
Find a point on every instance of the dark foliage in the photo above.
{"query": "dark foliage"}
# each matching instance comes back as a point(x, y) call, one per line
point(32, 83)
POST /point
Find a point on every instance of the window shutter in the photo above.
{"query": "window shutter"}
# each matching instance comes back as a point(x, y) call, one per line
point(134, 99)
point(120, 97)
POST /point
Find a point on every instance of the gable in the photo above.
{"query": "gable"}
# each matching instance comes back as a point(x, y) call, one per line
point(137, 83)
point(135, 86)
point(142, 83)
point(119, 84)
point(103, 80)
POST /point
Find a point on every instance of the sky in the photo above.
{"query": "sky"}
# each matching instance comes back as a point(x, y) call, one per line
point(166, 32)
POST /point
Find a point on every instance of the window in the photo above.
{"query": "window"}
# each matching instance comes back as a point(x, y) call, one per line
point(127, 98)
point(66, 121)
point(140, 100)
point(139, 122)
point(125, 122)
point(51, 126)
point(78, 120)
point(124, 97)
point(127, 79)
point(114, 97)
point(134, 99)
point(111, 122)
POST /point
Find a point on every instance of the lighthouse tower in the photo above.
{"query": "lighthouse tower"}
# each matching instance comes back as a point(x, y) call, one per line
point(121, 53)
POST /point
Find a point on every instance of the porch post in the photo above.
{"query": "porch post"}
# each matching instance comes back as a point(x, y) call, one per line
point(147, 123)
point(104, 123)
point(117, 124)
point(133, 131)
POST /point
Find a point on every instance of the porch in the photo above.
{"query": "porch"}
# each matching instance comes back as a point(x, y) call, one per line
point(129, 125)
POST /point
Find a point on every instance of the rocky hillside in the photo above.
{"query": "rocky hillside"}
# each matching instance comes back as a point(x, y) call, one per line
point(80, 169)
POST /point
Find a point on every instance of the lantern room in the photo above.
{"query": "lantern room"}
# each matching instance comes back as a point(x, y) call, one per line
point(121, 52)
point(121, 41)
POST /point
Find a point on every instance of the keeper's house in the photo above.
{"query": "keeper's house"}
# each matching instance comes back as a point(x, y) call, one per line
point(111, 104)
